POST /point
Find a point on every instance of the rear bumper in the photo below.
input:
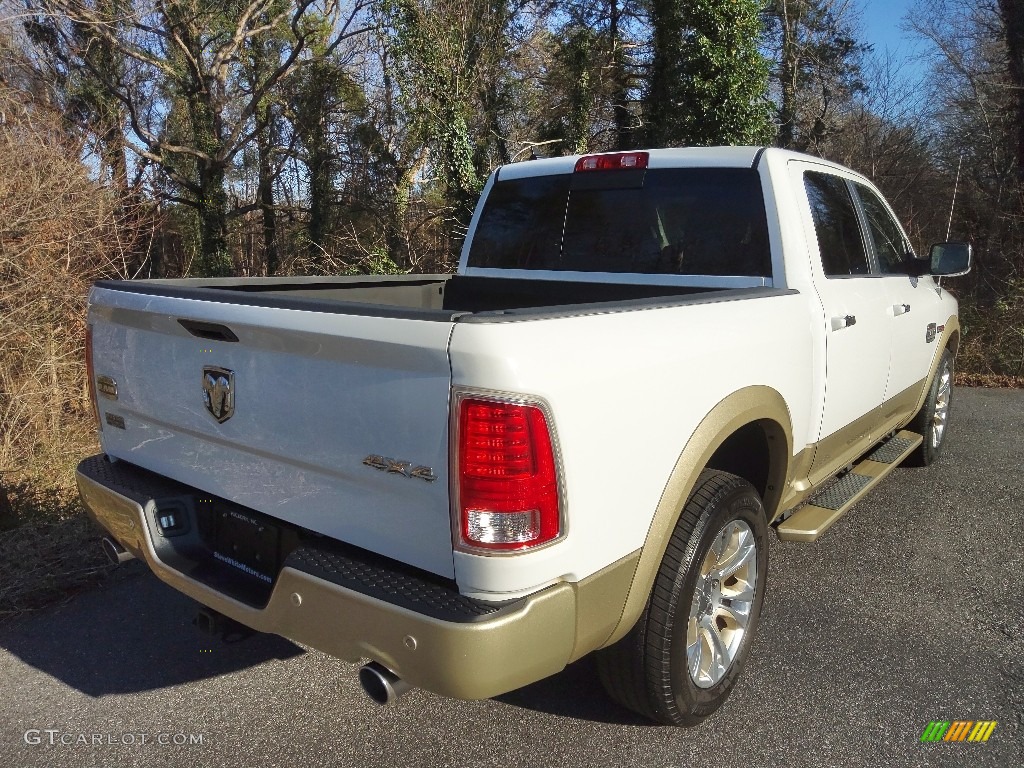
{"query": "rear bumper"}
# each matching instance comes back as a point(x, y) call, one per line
point(353, 608)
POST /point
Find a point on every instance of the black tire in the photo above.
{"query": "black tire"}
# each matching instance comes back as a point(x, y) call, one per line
point(649, 670)
point(926, 423)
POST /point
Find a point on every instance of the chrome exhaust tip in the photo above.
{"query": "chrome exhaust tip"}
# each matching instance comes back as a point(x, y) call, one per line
point(381, 684)
point(115, 552)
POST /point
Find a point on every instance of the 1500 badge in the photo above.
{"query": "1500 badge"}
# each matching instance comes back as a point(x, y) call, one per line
point(398, 467)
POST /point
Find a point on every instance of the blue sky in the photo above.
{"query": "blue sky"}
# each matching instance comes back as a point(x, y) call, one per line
point(882, 20)
point(881, 25)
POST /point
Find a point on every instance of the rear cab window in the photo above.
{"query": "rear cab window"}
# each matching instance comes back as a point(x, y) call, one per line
point(675, 221)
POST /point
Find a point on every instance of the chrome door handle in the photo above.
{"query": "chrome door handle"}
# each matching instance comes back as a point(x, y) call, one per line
point(900, 309)
point(838, 323)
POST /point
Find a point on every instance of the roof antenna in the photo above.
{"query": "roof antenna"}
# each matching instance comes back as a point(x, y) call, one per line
point(956, 184)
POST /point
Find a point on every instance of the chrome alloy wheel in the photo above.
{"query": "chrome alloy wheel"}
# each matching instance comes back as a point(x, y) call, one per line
point(722, 600)
point(941, 413)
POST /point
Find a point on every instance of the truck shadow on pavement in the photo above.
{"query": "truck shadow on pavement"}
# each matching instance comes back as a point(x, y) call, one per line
point(575, 692)
point(134, 635)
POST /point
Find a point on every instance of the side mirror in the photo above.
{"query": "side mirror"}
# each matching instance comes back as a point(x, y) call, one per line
point(916, 266)
point(951, 259)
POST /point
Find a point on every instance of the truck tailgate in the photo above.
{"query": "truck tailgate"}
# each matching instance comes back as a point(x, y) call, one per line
point(316, 395)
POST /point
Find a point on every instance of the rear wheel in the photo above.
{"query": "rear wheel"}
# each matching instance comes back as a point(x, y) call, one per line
point(682, 659)
point(932, 420)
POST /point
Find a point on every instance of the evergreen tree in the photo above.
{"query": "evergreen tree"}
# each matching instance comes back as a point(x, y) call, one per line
point(323, 101)
point(709, 82)
point(592, 78)
point(443, 50)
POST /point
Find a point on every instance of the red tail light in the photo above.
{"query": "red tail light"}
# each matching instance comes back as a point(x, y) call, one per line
point(612, 162)
point(507, 477)
point(91, 377)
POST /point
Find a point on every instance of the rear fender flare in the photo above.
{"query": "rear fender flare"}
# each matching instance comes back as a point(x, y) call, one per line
point(751, 404)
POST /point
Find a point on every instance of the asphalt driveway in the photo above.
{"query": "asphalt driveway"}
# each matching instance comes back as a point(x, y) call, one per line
point(908, 611)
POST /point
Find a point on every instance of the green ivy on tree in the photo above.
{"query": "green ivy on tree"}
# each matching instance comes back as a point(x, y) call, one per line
point(709, 82)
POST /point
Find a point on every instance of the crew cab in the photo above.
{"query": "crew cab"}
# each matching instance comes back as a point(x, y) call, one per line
point(578, 442)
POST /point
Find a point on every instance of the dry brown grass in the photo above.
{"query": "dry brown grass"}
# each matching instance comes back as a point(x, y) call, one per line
point(49, 550)
point(989, 380)
point(59, 231)
point(56, 233)
point(53, 554)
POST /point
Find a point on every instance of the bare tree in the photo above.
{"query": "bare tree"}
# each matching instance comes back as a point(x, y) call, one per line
point(186, 57)
point(1011, 13)
point(975, 122)
point(818, 67)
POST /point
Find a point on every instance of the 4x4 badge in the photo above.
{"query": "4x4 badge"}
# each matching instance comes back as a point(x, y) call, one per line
point(399, 467)
point(219, 392)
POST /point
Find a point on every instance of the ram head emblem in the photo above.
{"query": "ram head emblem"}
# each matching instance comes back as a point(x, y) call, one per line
point(219, 392)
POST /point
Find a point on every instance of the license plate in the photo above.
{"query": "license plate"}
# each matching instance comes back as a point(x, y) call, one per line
point(249, 545)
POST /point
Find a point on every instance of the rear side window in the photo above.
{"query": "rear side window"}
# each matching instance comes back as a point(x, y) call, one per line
point(685, 221)
point(890, 246)
point(835, 224)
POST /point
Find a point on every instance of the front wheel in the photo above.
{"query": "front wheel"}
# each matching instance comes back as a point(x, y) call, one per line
point(682, 659)
point(932, 421)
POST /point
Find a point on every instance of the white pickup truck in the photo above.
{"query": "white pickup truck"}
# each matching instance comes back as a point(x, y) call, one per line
point(576, 443)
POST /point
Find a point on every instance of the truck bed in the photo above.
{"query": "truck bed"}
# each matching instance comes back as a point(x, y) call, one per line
point(425, 297)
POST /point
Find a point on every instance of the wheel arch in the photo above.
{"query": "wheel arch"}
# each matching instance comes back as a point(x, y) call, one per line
point(954, 341)
point(755, 418)
point(950, 340)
